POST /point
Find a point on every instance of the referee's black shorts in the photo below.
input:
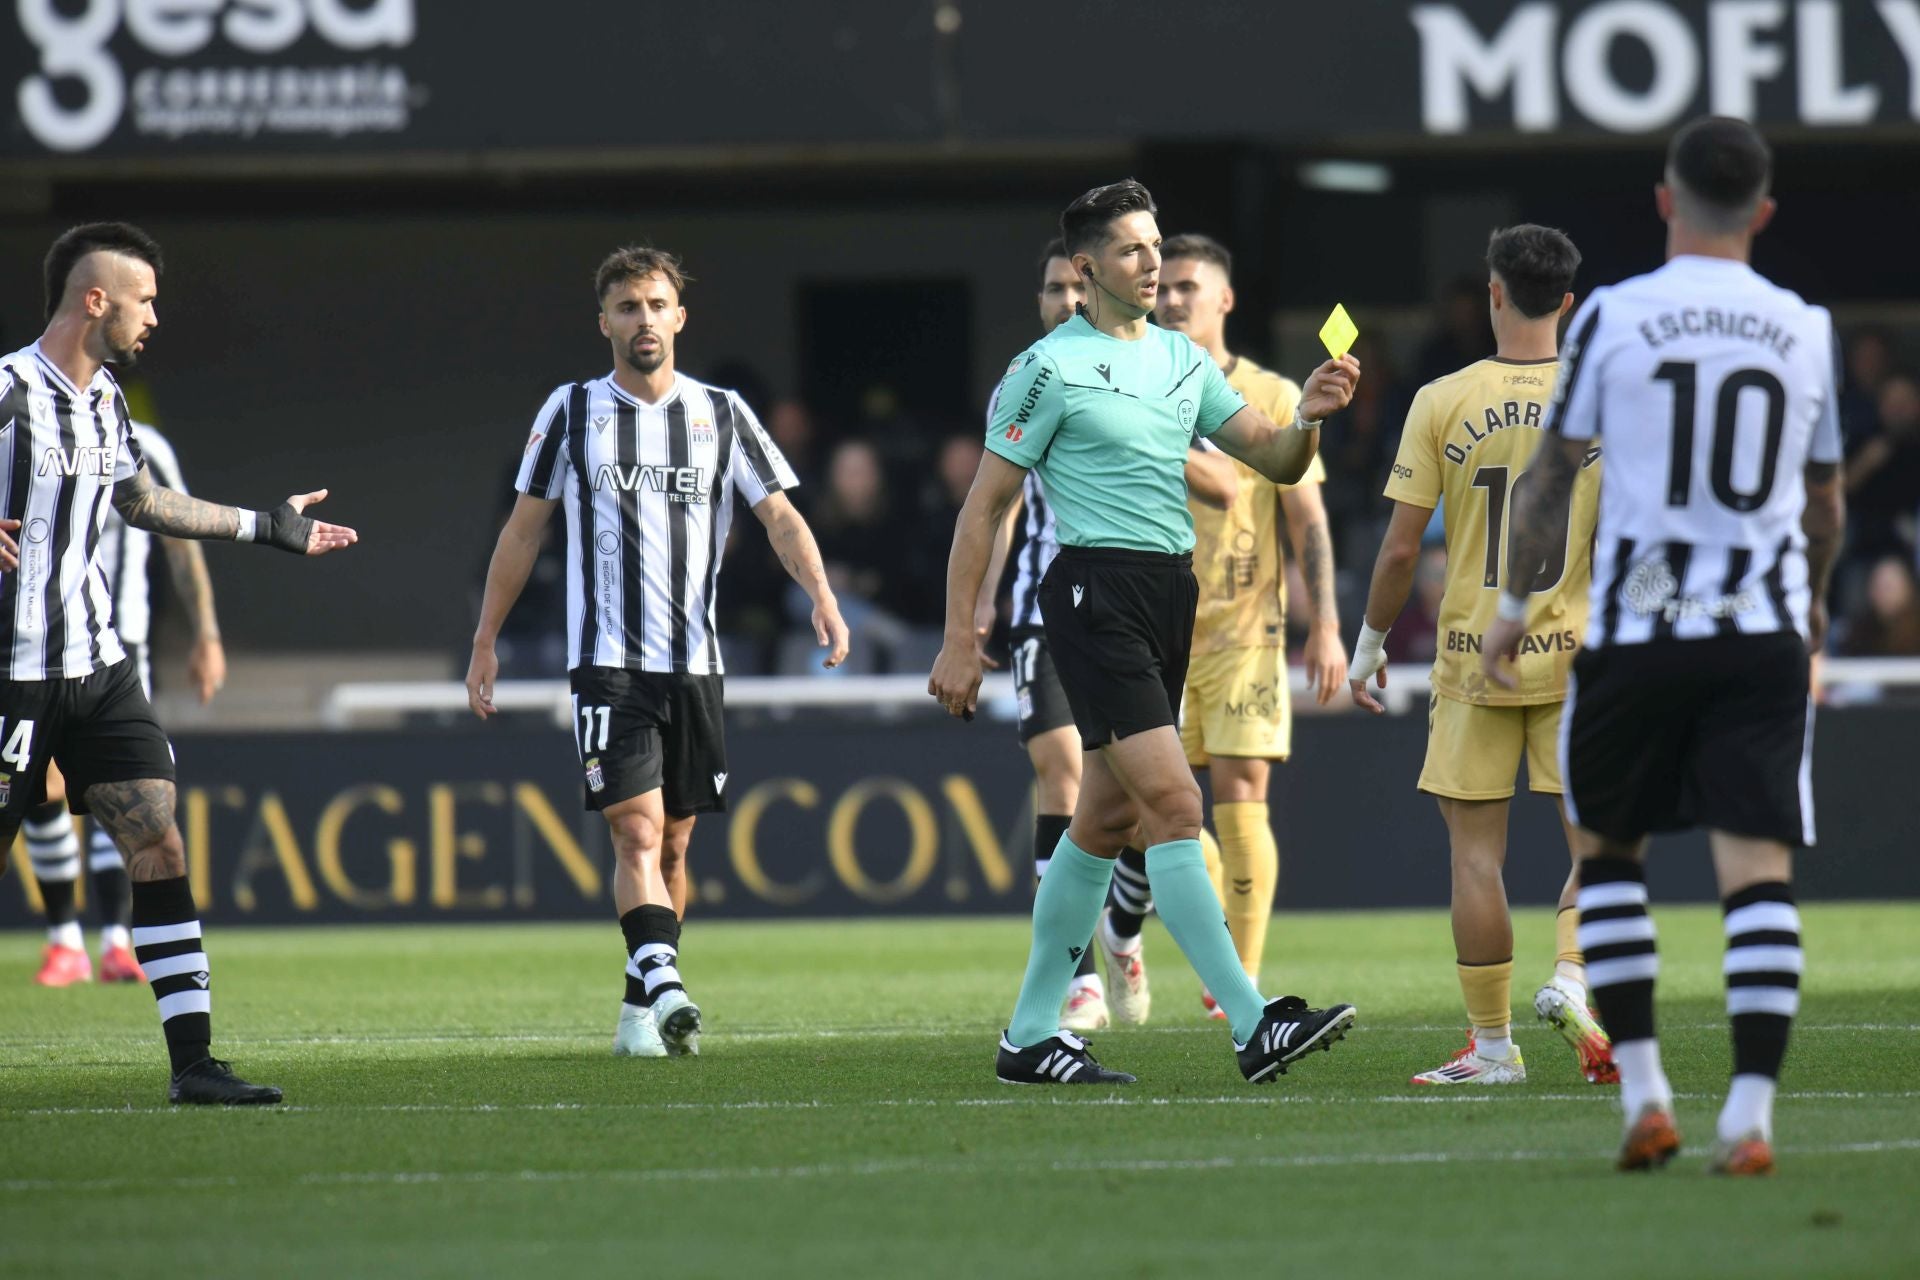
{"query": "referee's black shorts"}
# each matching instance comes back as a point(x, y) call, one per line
point(641, 731)
point(1676, 734)
point(1120, 629)
point(97, 728)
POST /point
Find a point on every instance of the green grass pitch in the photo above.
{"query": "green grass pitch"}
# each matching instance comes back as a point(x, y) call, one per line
point(454, 1111)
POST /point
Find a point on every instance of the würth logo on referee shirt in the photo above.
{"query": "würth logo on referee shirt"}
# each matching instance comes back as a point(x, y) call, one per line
point(90, 460)
point(679, 484)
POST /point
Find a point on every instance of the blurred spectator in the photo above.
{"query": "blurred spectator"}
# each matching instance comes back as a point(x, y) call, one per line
point(868, 554)
point(1887, 621)
point(1869, 361)
point(925, 602)
point(1883, 476)
point(1463, 332)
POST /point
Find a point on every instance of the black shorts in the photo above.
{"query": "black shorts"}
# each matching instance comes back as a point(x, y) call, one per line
point(1675, 734)
point(1120, 627)
point(1036, 685)
point(97, 728)
point(640, 731)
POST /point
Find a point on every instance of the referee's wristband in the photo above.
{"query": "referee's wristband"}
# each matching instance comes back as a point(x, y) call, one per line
point(1511, 608)
point(1303, 423)
point(252, 525)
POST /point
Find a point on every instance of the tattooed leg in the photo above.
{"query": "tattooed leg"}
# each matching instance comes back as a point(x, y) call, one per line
point(139, 817)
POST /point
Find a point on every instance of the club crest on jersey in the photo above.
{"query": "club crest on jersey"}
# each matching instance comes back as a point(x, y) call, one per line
point(596, 777)
point(6, 788)
point(703, 432)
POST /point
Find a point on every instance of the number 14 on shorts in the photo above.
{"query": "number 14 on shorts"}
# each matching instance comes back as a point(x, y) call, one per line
point(16, 749)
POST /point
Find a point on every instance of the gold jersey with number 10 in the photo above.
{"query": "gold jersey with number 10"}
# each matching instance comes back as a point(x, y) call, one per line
point(1468, 440)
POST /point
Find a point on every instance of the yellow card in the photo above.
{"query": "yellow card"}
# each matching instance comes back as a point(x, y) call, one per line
point(1339, 332)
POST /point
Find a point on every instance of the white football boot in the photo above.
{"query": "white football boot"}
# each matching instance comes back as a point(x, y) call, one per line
point(637, 1036)
point(1127, 993)
point(677, 1018)
point(1468, 1067)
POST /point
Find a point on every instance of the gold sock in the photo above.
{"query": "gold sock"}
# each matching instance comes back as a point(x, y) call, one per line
point(1210, 850)
point(1250, 859)
point(1488, 989)
point(1567, 959)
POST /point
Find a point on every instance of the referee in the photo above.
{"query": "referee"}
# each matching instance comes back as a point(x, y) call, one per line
point(1105, 408)
point(647, 461)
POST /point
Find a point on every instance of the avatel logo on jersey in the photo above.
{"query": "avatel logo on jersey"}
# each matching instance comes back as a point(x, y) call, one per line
point(83, 89)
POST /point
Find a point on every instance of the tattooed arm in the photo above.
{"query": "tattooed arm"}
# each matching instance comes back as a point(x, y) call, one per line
point(800, 556)
point(1326, 657)
point(1539, 524)
point(146, 505)
point(1825, 523)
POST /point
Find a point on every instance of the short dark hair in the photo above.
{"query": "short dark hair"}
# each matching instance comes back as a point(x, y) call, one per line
point(1192, 244)
point(637, 262)
point(92, 237)
point(1056, 248)
point(1536, 264)
point(1724, 165)
point(1084, 223)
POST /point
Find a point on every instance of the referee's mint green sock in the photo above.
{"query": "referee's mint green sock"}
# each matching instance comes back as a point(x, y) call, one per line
point(1183, 893)
point(1065, 909)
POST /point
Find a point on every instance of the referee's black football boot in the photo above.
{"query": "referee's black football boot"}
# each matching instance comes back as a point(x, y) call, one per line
point(1287, 1031)
point(1059, 1059)
point(211, 1082)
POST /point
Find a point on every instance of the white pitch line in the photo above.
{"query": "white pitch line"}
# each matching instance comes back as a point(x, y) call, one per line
point(1442, 1097)
point(871, 1168)
point(722, 1035)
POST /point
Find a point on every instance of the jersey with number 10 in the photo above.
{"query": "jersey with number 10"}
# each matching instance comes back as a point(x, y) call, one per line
point(1469, 439)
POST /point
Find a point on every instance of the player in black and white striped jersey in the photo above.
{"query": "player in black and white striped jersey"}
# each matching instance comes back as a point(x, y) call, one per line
point(1720, 517)
point(646, 462)
point(125, 553)
point(68, 694)
point(1045, 720)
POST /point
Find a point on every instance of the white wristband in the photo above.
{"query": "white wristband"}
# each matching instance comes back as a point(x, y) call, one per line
point(1303, 423)
point(1511, 608)
point(249, 521)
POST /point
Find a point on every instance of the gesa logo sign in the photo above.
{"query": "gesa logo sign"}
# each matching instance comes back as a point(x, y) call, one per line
point(82, 90)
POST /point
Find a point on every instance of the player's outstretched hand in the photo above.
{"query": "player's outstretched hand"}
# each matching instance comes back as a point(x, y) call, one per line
point(1329, 388)
point(830, 629)
point(321, 536)
point(1501, 644)
point(482, 673)
point(955, 681)
point(9, 549)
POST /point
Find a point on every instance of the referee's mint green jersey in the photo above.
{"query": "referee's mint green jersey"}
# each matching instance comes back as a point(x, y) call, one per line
point(1107, 424)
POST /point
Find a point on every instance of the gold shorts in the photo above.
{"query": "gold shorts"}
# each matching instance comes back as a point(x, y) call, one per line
point(1474, 752)
point(1236, 703)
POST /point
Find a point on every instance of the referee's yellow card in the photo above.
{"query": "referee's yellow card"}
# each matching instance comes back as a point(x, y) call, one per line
point(1339, 332)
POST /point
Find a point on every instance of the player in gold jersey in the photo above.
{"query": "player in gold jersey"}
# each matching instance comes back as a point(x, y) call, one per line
point(1236, 716)
point(1468, 439)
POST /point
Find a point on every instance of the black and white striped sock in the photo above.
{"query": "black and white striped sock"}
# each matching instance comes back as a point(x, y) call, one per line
point(1763, 967)
point(1616, 935)
point(653, 938)
point(166, 942)
point(112, 893)
point(1130, 898)
point(54, 851)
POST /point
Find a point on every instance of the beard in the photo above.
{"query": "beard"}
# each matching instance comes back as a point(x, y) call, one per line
point(646, 361)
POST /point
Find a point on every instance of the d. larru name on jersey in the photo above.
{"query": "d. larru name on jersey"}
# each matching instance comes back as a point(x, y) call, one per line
point(1514, 413)
point(679, 484)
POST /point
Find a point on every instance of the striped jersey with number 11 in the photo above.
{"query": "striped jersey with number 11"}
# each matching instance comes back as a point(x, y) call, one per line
point(648, 491)
point(62, 449)
point(1713, 388)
